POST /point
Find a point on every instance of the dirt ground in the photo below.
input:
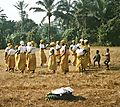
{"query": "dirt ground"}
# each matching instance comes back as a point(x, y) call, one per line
point(95, 88)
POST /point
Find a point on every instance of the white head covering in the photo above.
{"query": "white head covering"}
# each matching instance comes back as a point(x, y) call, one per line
point(21, 42)
point(85, 40)
point(81, 40)
point(29, 43)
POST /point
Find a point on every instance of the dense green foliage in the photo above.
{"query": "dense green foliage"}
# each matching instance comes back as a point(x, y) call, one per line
point(95, 20)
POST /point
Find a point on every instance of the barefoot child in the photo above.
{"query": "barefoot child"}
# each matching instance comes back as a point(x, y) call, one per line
point(97, 58)
point(107, 60)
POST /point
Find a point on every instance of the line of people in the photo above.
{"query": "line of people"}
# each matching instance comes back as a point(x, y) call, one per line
point(23, 57)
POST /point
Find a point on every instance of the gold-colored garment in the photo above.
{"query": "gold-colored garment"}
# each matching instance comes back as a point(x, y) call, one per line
point(11, 61)
point(57, 56)
point(21, 61)
point(64, 61)
point(16, 61)
point(74, 59)
point(6, 60)
point(87, 56)
point(43, 58)
point(52, 65)
point(79, 61)
point(31, 62)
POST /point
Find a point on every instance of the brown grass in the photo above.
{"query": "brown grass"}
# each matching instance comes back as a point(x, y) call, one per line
point(96, 88)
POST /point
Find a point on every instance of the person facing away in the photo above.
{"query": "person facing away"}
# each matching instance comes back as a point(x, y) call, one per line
point(11, 58)
point(22, 56)
point(43, 58)
point(6, 54)
point(52, 64)
point(107, 60)
point(31, 62)
point(57, 52)
point(97, 58)
point(64, 53)
point(73, 49)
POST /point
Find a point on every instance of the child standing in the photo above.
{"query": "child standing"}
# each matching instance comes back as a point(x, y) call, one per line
point(107, 60)
point(97, 58)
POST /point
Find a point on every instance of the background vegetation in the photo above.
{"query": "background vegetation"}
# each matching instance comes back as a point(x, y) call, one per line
point(95, 20)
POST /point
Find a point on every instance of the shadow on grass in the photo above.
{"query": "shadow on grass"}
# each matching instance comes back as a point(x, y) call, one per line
point(115, 68)
point(75, 98)
point(67, 98)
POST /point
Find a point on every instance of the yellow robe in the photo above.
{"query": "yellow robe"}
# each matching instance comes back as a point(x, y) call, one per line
point(52, 65)
point(16, 61)
point(11, 61)
point(87, 56)
point(43, 58)
point(84, 58)
point(57, 56)
point(21, 61)
point(79, 61)
point(74, 58)
point(31, 62)
point(64, 61)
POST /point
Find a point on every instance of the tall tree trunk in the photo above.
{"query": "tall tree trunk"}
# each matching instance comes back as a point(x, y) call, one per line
point(49, 29)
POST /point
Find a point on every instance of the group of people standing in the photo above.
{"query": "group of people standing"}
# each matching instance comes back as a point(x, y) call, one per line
point(22, 57)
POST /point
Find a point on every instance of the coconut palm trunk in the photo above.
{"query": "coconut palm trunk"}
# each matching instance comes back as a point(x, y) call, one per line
point(49, 29)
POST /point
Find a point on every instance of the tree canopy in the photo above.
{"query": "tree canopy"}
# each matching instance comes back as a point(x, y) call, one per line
point(95, 20)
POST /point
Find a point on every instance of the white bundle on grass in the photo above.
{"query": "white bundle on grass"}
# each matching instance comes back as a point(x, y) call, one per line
point(62, 93)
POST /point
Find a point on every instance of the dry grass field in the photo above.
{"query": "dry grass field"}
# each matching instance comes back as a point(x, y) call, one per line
point(95, 88)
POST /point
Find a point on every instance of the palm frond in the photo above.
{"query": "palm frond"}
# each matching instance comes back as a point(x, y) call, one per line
point(40, 3)
point(59, 14)
point(1, 10)
point(26, 5)
point(43, 19)
point(16, 7)
point(37, 9)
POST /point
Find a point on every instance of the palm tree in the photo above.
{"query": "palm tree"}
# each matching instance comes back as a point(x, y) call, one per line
point(21, 6)
point(47, 6)
point(1, 10)
point(81, 9)
point(65, 11)
point(2, 16)
point(100, 14)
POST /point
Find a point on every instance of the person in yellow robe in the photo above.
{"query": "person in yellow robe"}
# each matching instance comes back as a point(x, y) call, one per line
point(22, 57)
point(43, 58)
point(57, 52)
point(73, 49)
point(6, 54)
point(16, 57)
point(64, 53)
point(80, 59)
point(31, 61)
point(87, 58)
point(28, 47)
point(11, 58)
point(52, 64)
